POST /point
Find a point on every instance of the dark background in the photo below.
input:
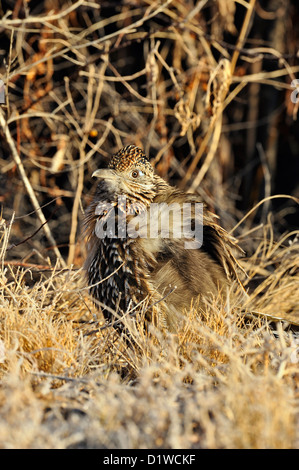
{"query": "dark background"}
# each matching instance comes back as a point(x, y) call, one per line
point(258, 151)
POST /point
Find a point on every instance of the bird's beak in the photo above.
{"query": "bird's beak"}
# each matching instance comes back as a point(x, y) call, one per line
point(105, 174)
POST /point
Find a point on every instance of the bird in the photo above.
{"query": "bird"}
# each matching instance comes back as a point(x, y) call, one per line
point(137, 249)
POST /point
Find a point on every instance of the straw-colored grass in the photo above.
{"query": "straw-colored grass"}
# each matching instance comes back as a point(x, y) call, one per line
point(222, 382)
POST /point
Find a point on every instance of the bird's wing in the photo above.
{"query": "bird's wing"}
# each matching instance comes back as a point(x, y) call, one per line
point(216, 241)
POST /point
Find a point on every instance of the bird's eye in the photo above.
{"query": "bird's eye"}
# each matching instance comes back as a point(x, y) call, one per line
point(136, 173)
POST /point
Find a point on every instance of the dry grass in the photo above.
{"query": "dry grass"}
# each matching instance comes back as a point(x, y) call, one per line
point(77, 90)
point(222, 382)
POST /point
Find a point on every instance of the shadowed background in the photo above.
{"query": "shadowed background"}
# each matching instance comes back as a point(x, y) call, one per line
point(210, 106)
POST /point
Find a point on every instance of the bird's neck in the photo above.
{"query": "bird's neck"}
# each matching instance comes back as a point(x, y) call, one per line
point(121, 207)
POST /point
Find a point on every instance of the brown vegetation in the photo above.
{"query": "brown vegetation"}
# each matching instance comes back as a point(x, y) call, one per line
point(205, 88)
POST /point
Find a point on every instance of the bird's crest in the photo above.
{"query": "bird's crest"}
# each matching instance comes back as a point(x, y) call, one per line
point(130, 156)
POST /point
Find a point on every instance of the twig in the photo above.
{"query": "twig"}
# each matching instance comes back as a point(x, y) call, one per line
point(13, 245)
point(91, 109)
point(53, 53)
point(243, 34)
point(42, 19)
point(267, 178)
point(276, 196)
point(28, 187)
point(61, 377)
point(40, 267)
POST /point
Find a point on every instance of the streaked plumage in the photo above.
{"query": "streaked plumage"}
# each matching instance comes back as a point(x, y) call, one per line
point(123, 271)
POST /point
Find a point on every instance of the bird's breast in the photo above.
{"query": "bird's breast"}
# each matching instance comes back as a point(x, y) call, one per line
point(117, 273)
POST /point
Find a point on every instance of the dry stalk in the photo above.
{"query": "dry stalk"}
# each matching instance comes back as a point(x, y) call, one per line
point(28, 187)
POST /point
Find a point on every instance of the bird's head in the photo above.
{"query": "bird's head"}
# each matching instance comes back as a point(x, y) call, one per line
point(129, 173)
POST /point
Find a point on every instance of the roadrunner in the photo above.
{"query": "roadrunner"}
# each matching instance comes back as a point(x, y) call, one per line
point(139, 249)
